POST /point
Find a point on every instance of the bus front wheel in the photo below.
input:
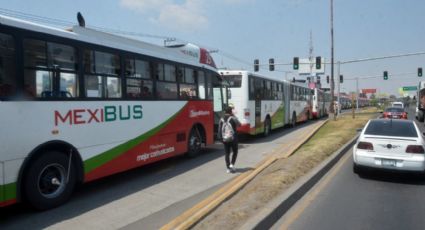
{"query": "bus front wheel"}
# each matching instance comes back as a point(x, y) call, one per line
point(194, 142)
point(49, 180)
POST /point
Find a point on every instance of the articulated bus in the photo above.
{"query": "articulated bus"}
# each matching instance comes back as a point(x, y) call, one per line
point(77, 105)
point(263, 104)
point(321, 103)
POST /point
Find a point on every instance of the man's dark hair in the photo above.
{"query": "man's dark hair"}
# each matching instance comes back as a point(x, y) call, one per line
point(228, 110)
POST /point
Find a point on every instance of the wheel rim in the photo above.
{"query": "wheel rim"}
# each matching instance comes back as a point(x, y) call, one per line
point(194, 143)
point(51, 181)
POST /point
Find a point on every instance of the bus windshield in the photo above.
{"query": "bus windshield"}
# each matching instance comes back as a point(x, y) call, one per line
point(234, 81)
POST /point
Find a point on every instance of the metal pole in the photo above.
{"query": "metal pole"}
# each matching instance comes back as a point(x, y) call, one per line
point(331, 109)
point(357, 93)
point(339, 88)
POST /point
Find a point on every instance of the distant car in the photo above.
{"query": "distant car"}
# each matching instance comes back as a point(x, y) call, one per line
point(394, 113)
point(390, 145)
point(397, 104)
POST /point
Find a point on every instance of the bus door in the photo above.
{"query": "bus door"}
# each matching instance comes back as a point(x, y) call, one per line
point(220, 99)
point(259, 90)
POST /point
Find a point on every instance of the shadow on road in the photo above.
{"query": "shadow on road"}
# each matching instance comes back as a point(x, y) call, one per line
point(395, 177)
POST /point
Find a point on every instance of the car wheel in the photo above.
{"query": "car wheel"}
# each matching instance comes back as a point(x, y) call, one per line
point(48, 181)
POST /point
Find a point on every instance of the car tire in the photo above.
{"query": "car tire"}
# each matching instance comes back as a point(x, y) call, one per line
point(47, 183)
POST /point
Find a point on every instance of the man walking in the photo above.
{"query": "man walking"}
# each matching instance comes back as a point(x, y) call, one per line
point(227, 131)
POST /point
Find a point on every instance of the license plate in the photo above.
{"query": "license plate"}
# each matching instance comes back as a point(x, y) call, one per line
point(386, 162)
point(395, 117)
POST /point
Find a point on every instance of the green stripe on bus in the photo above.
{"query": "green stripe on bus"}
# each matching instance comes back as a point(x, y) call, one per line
point(8, 191)
point(103, 158)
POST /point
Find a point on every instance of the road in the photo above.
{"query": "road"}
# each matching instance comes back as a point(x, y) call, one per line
point(343, 200)
point(149, 197)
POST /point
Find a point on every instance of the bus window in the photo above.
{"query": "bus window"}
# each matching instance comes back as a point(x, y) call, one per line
point(201, 84)
point(138, 79)
point(166, 90)
point(7, 66)
point(47, 63)
point(102, 74)
point(187, 84)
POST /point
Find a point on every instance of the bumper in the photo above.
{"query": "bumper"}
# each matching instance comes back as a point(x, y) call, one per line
point(416, 163)
point(244, 128)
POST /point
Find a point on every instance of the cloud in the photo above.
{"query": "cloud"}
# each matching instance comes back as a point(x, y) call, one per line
point(183, 16)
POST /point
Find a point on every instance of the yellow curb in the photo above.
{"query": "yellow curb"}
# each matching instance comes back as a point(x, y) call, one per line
point(203, 208)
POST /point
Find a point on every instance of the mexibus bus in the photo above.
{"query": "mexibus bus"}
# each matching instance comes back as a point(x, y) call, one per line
point(321, 103)
point(300, 103)
point(77, 105)
point(263, 104)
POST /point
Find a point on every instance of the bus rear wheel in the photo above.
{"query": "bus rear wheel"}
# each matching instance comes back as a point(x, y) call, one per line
point(294, 119)
point(194, 143)
point(267, 127)
point(49, 180)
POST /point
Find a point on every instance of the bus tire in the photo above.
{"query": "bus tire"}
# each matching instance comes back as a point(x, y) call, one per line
point(267, 127)
point(194, 143)
point(294, 119)
point(47, 183)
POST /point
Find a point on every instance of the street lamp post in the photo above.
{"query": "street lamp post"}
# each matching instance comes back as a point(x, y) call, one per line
point(331, 108)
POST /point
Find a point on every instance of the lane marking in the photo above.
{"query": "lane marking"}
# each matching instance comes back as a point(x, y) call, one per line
point(311, 196)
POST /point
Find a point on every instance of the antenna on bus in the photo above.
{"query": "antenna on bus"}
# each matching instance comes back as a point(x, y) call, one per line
point(81, 21)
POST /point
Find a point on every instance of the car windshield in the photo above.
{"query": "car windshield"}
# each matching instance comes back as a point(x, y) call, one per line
point(391, 128)
point(394, 110)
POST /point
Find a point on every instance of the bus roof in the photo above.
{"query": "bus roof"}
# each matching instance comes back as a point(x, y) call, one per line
point(188, 54)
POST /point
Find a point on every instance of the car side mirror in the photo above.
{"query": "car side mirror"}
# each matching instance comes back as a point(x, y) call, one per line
point(423, 133)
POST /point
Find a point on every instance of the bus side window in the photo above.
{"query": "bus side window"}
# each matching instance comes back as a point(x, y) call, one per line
point(7, 66)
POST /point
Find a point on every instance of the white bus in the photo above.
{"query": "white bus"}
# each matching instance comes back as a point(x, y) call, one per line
point(258, 101)
point(300, 103)
point(263, 104)
point(77, 105)
point(321, 103)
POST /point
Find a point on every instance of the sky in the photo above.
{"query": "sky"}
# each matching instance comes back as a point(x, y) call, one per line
point(240, 31)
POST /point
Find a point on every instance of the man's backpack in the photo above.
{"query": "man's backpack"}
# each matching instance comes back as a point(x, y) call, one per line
point(227, 132)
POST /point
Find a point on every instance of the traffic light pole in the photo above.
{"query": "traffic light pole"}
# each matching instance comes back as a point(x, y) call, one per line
point(339, 87)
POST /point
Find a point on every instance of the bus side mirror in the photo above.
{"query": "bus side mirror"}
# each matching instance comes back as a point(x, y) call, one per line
point(359, 130)
point(381, 111)
point(229, 93)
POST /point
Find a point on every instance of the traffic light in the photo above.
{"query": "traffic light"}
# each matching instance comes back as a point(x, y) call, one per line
point(419, 72)
point(341, 78)
point(318, 62)
point(296, 63)
point(385, 75)
point(256, 65)
point(271, 64)
point(327, 79)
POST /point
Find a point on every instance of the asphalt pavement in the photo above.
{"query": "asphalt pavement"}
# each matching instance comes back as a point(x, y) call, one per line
point(344, 200)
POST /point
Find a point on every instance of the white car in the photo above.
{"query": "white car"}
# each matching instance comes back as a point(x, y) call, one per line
point(391, 145)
